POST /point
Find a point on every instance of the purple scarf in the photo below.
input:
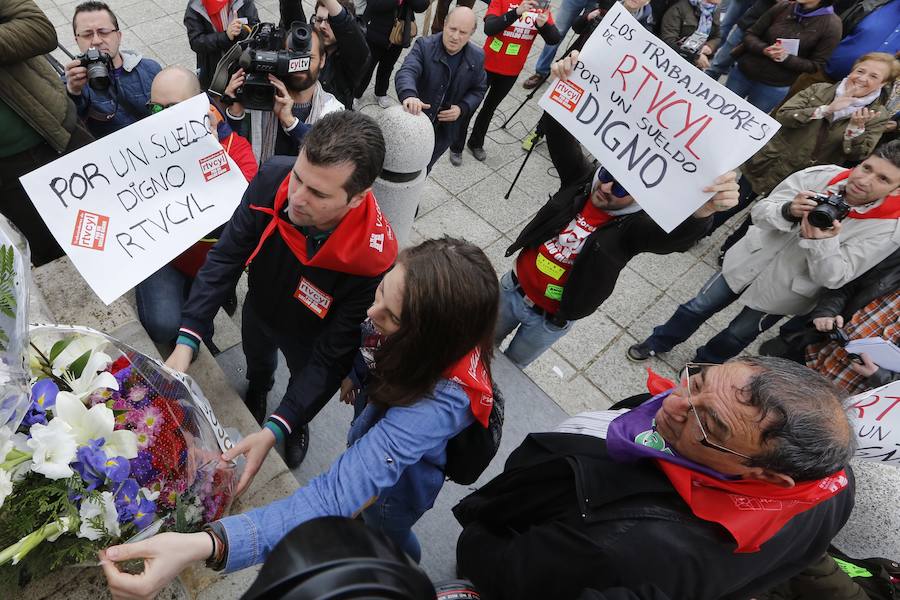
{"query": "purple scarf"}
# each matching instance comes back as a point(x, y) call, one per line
point(816, 12)
point(633, 436)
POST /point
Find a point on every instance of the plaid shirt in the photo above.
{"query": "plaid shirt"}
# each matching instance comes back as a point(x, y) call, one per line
point(879, 318)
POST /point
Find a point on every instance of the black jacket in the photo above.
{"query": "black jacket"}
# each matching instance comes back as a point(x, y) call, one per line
point(607, 250)
point(380, 16)
point(274, 276)
point(759, 8)
point(344, 67)
point(210, 45)
point(564, 518)
point(881, 279)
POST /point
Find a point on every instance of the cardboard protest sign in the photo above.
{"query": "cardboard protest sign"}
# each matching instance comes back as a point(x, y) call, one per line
point(129, 203)
point(876, 422)
point(659, 125)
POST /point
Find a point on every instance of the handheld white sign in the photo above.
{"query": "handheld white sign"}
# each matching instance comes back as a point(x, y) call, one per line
point(127, 204)
point(659, 125)
point(876, 422)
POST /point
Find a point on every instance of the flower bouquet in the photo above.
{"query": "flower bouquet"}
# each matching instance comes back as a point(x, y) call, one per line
point(108, 445)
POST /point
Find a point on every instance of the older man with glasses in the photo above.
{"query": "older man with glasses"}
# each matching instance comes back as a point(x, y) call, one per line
point(107, 105)
point(718, 488)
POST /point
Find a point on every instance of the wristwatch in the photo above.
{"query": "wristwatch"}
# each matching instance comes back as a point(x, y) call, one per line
point(228, 100)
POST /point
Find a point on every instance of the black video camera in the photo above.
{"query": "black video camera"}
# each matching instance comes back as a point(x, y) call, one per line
point(98, 66)
point(831, 208)
point(261, 54)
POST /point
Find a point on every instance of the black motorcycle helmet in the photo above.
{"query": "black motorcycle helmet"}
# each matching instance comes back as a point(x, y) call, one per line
point(335, 558)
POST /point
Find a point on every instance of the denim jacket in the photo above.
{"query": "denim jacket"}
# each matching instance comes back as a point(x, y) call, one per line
point(399, 451)
point(106, 112)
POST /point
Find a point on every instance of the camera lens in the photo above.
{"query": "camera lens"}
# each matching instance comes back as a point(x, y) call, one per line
point(98, 75)
point(822, 216)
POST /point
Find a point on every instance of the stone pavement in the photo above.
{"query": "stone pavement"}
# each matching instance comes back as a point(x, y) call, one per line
point(587, 369)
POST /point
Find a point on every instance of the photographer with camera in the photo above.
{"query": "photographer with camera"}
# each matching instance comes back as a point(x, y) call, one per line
point(213, 26)
point(279, 74)
point(110, 87)
point(345, 47)
point(801, 242)
point(691, 27)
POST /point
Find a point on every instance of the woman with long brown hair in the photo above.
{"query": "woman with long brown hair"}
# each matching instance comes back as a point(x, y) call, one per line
point(423, 375)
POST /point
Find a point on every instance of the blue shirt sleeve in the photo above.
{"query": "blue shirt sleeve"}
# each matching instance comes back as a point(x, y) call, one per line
point(373, 464)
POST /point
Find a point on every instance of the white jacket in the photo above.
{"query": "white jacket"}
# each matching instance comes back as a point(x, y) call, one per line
point(780, 273)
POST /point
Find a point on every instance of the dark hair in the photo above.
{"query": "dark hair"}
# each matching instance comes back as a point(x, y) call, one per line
point(805, 432)
point(889, 151)
point(94, 7)
point(449, 307)
point(347, 136)
point(348, 5)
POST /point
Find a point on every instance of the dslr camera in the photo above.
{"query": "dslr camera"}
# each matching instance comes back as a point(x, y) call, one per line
point(261, 54)
point(830, 208)
point(98, 66)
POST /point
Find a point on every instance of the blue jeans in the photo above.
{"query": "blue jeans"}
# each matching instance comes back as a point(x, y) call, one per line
point(733, 14)
point(567, 14)
point(713, 297)
point(395, 520)
point(723, 60)
point(160, 298)
point(534, 335)
point(762, 96)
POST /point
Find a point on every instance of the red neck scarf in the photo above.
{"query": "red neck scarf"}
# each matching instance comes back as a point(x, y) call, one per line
point(217, 10)
point(362, 244)
point(471, 374)
point(752, 511)
point(888, 209)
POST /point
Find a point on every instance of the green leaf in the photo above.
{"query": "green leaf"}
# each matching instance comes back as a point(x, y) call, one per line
point(78, 365)
point(58, 347)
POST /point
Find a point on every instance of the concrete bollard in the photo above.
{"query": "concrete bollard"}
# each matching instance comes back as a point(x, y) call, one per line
point(872, 527)
point(409, 142)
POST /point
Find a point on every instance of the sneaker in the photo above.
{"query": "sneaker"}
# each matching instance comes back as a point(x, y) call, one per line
point(256, 400)
point(479, 154)
point(455, 158)
point(530, 140)
point(640, 352)
point(383, 101)
point(534, 81)
point(295, 447)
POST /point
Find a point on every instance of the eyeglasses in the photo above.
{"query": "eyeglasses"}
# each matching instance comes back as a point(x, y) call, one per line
point(617, 190)
point(694, 369)
point(315, 20)
point(102, 33)
point(156, 107)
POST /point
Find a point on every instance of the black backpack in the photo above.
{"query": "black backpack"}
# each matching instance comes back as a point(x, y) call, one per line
point(471, 450)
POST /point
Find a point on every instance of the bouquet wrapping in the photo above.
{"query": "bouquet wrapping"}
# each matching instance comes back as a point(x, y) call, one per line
point(99, 444)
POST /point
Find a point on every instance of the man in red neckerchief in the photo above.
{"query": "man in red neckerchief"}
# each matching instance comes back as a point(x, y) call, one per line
point(718, 488)
point(316, 244)
point(797, 246)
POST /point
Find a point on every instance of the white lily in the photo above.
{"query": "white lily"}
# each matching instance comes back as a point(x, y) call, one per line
point(93, 424)
point(54, 448)
point(6, 485)
point(93, 507)
point(78, 346)
point(6, 442)
point(93, 377)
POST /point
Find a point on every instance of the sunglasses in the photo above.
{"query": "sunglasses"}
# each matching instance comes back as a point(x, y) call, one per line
point(618, 191)
point(156, 107)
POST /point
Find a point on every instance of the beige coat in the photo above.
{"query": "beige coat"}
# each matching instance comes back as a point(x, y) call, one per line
point(780, 273)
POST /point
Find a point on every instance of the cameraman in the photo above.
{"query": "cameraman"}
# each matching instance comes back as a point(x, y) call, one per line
point(784, 262)
point(300, 101)
point(345, 47)
point(130, 75)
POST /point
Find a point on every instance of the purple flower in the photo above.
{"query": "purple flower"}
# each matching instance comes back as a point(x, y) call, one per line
point(145, 513)
point(142, 467)
point(43, 394)
point(117, 468)
point(34, 415)
point(127, 501)
point(91, 464)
